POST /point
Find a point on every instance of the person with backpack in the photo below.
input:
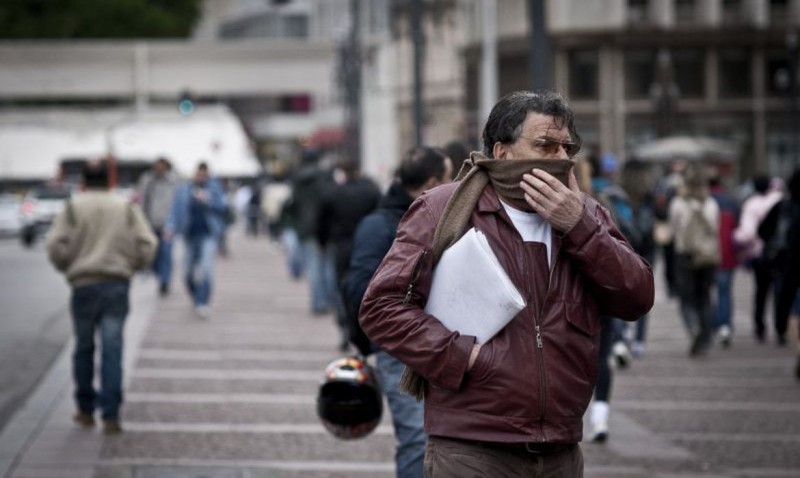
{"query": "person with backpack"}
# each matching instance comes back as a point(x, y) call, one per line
point(422, 168)
point(99, 241)
point(694, 218)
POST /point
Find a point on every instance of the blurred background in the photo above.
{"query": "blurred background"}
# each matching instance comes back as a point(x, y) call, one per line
point(247, 84)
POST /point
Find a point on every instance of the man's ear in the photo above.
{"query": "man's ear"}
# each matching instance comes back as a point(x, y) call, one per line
point(499, 151)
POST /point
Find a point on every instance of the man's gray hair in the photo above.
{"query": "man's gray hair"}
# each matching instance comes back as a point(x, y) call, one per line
point(504, 124)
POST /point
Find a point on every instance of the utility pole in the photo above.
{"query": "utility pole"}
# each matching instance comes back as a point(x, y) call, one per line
point(489, 68)
point(352, 83)
point(541, 52)
point(417, 39)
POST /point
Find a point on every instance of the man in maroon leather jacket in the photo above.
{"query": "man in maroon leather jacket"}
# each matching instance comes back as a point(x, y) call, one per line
point(512, 406)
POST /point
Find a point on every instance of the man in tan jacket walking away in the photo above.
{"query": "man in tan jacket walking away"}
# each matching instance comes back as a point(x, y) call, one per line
point(99, 241)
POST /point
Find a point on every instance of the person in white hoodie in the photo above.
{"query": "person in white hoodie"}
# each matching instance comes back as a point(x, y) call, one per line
point(754, 210)
point(99, 241)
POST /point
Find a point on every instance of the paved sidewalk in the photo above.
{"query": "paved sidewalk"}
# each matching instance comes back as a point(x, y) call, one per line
point(233, 396)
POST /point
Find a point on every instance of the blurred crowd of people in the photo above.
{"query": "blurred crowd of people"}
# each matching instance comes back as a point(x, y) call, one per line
point(703, 228)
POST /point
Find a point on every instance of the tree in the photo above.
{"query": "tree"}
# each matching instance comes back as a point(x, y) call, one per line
point(25, 19)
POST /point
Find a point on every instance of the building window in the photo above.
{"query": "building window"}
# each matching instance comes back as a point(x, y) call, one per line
point(778, 12)
point(637, 12)
point(689, 68)
point(776, 76)
point(732, 12)
point(734, 72)
point(583, 74)
point(640, 69)
point(685, 12)
point(295, 26)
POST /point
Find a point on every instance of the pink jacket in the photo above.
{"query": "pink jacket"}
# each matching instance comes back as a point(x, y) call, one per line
point(754, 210)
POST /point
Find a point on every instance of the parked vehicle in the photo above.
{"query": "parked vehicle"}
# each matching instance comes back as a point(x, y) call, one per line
point(39, 206)
point(10, 221)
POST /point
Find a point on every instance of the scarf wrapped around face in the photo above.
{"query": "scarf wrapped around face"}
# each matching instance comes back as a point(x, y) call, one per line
point(476, 172)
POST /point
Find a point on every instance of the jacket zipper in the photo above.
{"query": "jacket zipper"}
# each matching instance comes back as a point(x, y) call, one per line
point(539, 348)
point(539, 340)
point(414, 277)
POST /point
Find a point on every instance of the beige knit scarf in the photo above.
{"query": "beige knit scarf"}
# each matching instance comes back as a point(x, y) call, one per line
point(475, 174)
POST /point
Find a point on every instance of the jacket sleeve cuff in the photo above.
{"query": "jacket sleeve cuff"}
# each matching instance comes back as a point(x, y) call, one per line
point(582, 231)
point(456, 369)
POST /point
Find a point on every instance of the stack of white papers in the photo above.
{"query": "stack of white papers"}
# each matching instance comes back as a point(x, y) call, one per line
point(471, 293)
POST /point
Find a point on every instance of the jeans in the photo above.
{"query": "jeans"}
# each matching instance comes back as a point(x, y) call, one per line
point(695, 293)
point(321, 276)
point(602, 391)
point(200, 253)
point(162, 264)
point(764, 285)
point(294, 253)
point(407, 418)
point(724, 298)
point(101, 306)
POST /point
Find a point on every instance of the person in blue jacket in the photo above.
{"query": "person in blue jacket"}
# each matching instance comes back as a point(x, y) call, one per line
point(422, 168)
point(198, 214)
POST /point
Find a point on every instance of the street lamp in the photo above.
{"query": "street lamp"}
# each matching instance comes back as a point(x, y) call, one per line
point(664, 94)
point(794, 112)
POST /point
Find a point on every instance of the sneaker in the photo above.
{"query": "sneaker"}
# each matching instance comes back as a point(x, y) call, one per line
point(203, 311)
point(622, 354)
point(85, 420)
point(725, 335)
point(797, 368)
point(638, 349)
point(599, 422)
point(112, 427)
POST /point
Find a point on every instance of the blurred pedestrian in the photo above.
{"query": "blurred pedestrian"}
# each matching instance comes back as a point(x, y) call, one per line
point(156, 191)
point(728, 221)
point(666, 188)
point(780, 231)
point(198, 214)
point(309, 184)
point(694, 219)
point(754, 210)
point(458, 152)
point(422, 168)
point(341, 209)
point(98, 241)
point(513, 405)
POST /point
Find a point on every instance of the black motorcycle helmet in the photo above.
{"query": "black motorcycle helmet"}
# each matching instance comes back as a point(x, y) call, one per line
point(349, 401)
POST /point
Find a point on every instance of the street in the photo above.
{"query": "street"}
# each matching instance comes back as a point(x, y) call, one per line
point(35, 320)
point(233, 396)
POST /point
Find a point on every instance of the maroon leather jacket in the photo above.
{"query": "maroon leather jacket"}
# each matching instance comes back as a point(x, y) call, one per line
point(533, 381)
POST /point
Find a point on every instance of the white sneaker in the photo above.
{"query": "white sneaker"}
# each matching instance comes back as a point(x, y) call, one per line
point(638, 349)
point(203, 311)
point(622, 354)
point(599, 422)
point(725, 335)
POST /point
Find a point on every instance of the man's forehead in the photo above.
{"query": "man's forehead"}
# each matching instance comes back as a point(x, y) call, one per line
point(543, 125)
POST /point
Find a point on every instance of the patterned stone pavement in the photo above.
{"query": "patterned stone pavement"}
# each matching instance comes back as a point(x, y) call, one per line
point(233, 396)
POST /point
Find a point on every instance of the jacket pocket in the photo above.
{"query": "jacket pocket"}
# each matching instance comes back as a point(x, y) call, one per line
point(583, 317)
point(481, 369)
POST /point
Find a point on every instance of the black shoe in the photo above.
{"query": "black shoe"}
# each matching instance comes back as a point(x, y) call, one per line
point(797, 369)
point(698, 347)
point(760, 336)
point(163, 290)
point(781, 341)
